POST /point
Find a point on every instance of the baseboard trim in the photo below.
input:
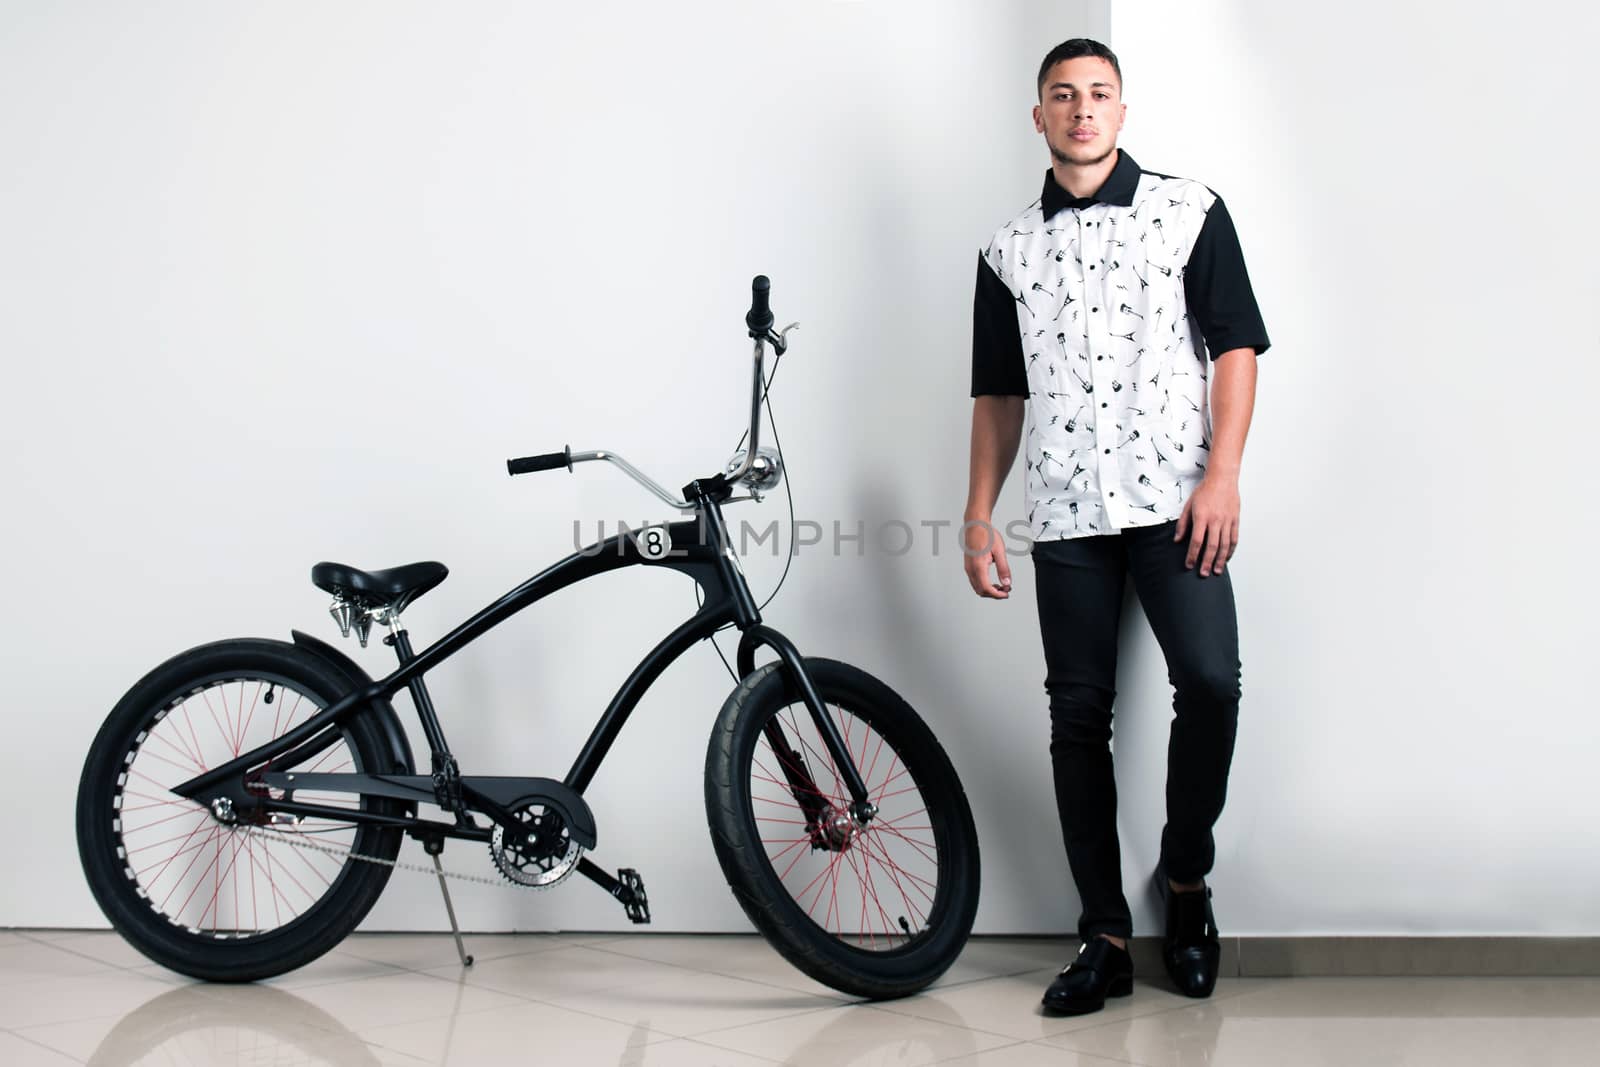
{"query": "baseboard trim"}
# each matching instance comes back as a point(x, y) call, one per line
point(1291, 957)
point(1279, 957)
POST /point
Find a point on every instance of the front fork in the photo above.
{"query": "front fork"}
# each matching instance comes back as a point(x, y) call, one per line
point(801, 783)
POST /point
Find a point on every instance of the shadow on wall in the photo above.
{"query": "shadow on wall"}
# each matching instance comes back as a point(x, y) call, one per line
point(926, 657)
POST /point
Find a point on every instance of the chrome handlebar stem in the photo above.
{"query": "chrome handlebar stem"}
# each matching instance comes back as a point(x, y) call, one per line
point(752, 455)
point(780, 343)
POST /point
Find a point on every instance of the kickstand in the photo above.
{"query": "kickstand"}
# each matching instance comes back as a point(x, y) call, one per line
point(461, 948)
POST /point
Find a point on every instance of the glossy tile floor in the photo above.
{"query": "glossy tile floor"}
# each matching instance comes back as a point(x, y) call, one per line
point(73, 997)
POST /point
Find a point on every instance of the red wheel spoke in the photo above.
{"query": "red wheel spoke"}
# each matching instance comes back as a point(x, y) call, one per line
point(183, 849)
point(126, 830)
point(815, 900)
point(169, 763)
point(894, 873)
point(785, 786)
point(181, 749)
point(324, 758)
point(226, 739)
point(908, 789)
point(157, 844)
point(301, 855)
point(140, 774)
point(885, 784)
point(824, 759)
point(800, 896)
point(255, 915)
point(272, 883)
point(901, 818)
point(290, 875)
point(199, 749)
point(918, 846)
point(867, 774)
point(146, 807)
point(210, 867)
point(867, 886)
point(797, 858)
point(787, 800)
point(158, 801)
point(213, 908)
point(244, 730)
point(294, 711)
point(875, 850)
point(800, 771)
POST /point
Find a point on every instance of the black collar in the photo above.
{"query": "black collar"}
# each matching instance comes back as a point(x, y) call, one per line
point(1117, 189)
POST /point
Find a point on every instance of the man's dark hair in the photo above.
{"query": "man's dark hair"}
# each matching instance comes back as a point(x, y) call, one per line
point(1078, 46)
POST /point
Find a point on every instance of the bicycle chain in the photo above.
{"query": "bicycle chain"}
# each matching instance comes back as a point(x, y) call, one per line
point(399, 865)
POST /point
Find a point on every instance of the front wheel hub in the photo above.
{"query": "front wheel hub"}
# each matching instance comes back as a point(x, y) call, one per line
point(834, 831)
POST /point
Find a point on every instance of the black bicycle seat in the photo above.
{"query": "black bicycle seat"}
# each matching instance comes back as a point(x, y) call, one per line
point(397, 585)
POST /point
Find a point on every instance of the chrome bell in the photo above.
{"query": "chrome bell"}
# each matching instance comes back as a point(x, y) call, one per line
point(764, 474)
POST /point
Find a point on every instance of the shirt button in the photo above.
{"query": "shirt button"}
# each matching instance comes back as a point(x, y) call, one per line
point(1102, 403)
point(1108, 451)
point(1091, 266)
point(1111, 494)
point(1093, 309)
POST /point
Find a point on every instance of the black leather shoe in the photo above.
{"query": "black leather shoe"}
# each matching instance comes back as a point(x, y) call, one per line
point(1190, 949)
point(1101, 970)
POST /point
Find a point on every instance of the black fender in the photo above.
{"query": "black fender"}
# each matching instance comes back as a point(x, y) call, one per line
point(393, 732)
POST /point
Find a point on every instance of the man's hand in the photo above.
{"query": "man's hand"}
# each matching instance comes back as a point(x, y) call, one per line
point(1214, 512)
point(981, 547)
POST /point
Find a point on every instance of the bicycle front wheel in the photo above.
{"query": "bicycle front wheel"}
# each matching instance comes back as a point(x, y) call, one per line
point(215, 901)
point(876, 911)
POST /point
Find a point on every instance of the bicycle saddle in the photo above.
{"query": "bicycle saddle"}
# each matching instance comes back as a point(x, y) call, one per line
point(397, 585)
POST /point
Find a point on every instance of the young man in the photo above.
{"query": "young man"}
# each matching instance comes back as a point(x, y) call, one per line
point(1101, 312)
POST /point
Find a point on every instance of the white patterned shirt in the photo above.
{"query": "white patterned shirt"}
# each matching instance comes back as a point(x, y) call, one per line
point(1100, 310)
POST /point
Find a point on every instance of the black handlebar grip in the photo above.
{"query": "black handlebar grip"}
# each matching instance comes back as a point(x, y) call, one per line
point(760, 318)
point(547, 462)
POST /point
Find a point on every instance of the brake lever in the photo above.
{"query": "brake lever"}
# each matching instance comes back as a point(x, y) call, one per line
point(780, 340)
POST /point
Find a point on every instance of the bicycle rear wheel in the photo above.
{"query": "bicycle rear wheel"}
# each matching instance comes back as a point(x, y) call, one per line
point(228, 903)
point(877, 911)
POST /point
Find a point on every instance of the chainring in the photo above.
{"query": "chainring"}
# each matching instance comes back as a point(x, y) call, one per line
point(545, 856)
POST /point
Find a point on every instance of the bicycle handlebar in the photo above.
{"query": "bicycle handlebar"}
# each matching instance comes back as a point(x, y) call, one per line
point(547, 462)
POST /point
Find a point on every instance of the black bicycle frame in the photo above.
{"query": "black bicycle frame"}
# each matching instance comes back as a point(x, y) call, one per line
point(700, 548)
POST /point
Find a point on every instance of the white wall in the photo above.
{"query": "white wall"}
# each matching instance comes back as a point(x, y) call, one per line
point(282, 284)
point(1412, 184)
point(288, 283)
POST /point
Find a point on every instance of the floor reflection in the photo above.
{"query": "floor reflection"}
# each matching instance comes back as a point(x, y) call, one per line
point(187, 1025)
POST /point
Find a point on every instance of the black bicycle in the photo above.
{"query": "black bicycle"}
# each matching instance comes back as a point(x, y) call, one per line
point(244, 803)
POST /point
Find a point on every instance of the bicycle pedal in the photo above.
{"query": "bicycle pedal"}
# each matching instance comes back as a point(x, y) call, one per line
point(634, 900)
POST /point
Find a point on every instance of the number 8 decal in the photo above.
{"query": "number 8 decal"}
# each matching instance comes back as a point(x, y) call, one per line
point(654, 542)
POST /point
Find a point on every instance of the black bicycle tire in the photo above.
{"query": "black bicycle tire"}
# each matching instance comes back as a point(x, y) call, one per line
point(756, 886)
point(349, 898)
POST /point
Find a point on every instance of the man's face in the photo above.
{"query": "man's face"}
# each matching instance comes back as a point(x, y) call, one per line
point(1081, 110)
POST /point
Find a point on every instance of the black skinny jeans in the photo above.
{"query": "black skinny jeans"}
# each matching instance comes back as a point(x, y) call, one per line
point(1079, 584)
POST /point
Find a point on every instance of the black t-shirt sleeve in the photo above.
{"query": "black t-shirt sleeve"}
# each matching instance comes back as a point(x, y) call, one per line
point(1217, 288)
point(997, 367)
